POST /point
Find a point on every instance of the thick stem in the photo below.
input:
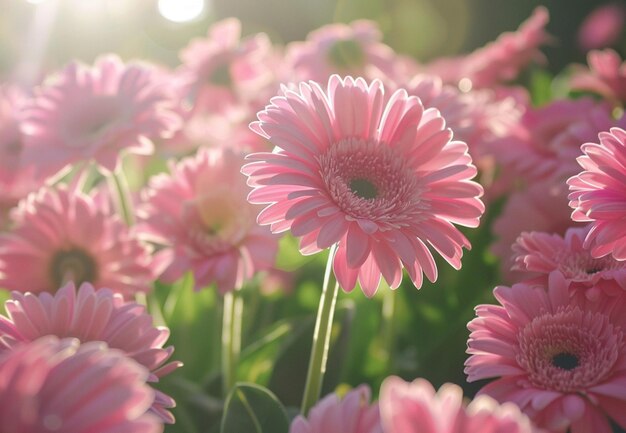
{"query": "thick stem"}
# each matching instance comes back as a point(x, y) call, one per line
point(321, 339)
point(231, 338)
point(117, 182)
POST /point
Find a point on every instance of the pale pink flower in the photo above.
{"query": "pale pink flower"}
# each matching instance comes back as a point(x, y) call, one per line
point(562, 360)
point(345, 49)
point(64, 235)
point(200, 214)
point(599, 194)
point(542, 207)
point(62, 386)
point(606, 76)
point(602, 27)
point(352, 414)
point(416, 408)
point(381, 180)
point(92, 315)
point(499, 61)
point(16, 179)
point(539, 254)
point(95, 113)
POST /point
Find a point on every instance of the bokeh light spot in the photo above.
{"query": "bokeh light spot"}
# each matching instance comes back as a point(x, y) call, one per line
point(180, 11)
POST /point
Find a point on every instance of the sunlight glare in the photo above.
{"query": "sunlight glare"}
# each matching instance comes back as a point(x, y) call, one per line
point(180, 11)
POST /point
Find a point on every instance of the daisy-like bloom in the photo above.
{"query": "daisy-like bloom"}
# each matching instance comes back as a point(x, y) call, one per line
point(352, 414)
point(63, 235)
point(95, 113)
point(381, 180)
point(606, 76)
point(501, 60)
point(416, 408)
point(602, 27)
point(562, 360)
point(345, 49)
point(92, 315)
point(53, 385)
point(543, 253)
point(598, 194)
point(200, 214)
point(16, 179)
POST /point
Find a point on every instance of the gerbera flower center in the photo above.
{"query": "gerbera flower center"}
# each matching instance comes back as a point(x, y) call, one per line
point(570, 350)
point(94, 117)
point(346, 54)
point(580, 266)
point(73, 265)
point(369, 180)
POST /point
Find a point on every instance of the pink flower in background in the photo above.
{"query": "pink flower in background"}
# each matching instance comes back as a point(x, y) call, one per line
point(200, 214)
point(562, 360)
point(62, 386)
point(92, 315)
point(416, 408)
point(606, 76)
point(16, 179)
point(345, 49)
point(598, 194)
point(602, 27)
point(543, 253)
point(63, 235)
point(352, 414)
point(97, 113)
point(382, 180)
point(542, 207)
point(499, 61)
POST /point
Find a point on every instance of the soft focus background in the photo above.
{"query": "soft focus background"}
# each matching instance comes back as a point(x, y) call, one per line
point(427, 336)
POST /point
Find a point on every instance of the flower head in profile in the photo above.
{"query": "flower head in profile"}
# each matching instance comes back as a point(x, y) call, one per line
point(539, 254)
point(602, 27)
point(53, 385)
point(560, 359)
point(95, 113)
point(598, 194)
point(352, 414)
point(606, 76)
point(383, 181)
point(417, 408)
point(345, 49)
point(92, 315)
point(63, 235)
point(199, 214)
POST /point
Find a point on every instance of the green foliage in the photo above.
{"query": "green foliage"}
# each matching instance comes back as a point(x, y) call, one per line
point(251, 408)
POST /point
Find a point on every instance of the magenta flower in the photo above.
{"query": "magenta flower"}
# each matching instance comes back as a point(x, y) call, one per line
point(96, 113)
point(345, 49)
point(382, 181)
point(64, 235)
point(199, 212)
point(606, 76)
point(92, 315)
point(416, 408)
point(352, 414)
point(501, 60)
point(598, 194)
point(62, 386)
point(602, 27)
point(544, 253)
point(562, 360)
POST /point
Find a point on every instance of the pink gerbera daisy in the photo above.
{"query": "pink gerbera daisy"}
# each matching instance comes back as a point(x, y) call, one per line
point(606, 76)
point(599, 194)
point(382, 181)
point(352, 414)
point(64, 235)
point(544, 253)
point(61, 386)
point(562, 360)
point(416, 408)
point(200, 214)
point(91, 315)
point(96, 113)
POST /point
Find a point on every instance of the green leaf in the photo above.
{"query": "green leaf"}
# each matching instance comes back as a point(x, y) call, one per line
point(253, 409)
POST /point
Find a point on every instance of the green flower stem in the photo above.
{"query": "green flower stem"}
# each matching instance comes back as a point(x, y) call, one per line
point(388, 327)
point(119, 184)
point(321, 339)
point(231, 338)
